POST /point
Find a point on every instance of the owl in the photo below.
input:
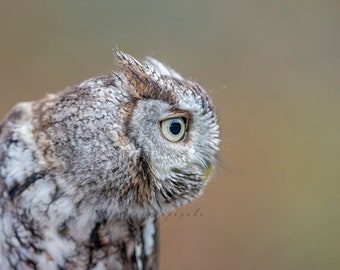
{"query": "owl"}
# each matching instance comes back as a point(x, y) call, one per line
point(86, 173)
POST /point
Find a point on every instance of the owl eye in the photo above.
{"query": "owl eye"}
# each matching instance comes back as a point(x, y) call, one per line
point(173, 129)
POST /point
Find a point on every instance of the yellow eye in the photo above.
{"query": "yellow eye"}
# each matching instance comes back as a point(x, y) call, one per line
point(173, 129)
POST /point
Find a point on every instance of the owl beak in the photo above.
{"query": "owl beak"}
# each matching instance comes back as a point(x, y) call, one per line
point(208, 171)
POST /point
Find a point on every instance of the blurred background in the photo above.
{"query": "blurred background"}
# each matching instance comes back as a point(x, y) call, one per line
point(272, 69)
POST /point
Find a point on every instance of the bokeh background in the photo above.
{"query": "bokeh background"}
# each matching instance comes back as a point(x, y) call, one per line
point(272, 68)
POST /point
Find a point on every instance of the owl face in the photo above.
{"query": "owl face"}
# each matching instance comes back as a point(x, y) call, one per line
point(178, 141)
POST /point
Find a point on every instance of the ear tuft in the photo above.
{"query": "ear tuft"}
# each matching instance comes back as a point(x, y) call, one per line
point(129, 64)
point(137, 81)
point(142, 81)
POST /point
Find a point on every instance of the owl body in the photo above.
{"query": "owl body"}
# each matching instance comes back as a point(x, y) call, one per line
point(85, 173)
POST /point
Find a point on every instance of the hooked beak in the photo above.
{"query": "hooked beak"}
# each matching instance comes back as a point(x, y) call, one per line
point(208, 171)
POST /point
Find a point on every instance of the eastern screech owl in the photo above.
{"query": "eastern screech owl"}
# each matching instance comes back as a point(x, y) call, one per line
point(85, 173)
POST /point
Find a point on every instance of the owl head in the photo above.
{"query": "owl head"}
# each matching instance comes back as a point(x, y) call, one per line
point(174, 126)
point(136, 142)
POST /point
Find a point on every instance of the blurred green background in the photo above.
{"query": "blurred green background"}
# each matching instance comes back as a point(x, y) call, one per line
point(272, 68)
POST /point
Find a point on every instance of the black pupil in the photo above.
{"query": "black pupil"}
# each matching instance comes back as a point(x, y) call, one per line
point(175, 127)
